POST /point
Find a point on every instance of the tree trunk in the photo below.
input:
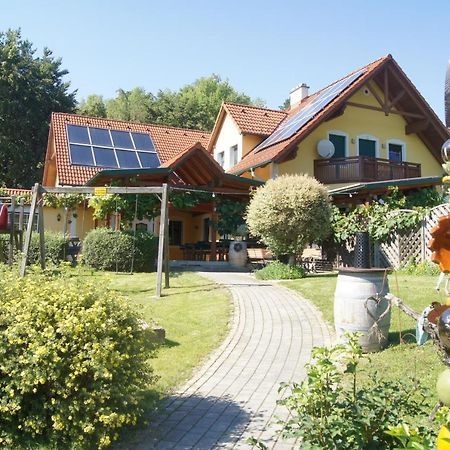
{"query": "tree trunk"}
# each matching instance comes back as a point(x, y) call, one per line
point(291, 260)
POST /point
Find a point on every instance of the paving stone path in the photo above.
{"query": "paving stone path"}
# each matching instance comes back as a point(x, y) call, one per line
point(233, 396)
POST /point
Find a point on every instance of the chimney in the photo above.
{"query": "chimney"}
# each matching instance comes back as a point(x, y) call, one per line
point(298, 94)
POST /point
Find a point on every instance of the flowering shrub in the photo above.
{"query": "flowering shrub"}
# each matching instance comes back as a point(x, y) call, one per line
point(73, 362)
point(276, 270)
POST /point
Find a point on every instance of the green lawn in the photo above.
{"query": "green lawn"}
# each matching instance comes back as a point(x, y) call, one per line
point(194, 312)
point(401, 359)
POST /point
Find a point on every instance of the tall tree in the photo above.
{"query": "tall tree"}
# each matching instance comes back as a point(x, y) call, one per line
point(196, 105)
point(30, 89)
point(94, 105)
point(134, 105)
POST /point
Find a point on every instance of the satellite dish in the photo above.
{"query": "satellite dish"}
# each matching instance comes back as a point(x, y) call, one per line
point(445, 151)
point(325, 148)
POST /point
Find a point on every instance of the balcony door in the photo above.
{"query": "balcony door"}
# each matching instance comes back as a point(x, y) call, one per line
point(367, 147)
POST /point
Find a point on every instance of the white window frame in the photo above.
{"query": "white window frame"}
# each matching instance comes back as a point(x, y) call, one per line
point(396, 142)
point(221, 160)
point(368, 137)
point(234, 149)
point(340, 133)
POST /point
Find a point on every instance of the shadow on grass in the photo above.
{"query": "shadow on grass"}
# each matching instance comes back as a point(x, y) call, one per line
point(407, 336)
point(197, 422)
point(168, 343)
point(322, 275)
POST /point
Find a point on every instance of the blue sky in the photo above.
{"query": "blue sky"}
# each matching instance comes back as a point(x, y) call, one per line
point(263, 48)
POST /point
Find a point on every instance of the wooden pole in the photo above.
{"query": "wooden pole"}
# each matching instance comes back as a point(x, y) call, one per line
point(21, 214)
point(213, 232)
point(12, 230)
point(26, 244)
point(166, 250)
point(41, 230)
point(162, 226)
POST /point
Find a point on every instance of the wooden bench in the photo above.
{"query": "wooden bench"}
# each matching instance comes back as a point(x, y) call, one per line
point(259, 257)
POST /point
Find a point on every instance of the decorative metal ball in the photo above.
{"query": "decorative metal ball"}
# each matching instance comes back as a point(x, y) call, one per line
point(444, 330)
point(445, 151)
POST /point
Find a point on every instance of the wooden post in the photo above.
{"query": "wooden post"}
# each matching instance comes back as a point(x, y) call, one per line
point(162, 234)
point(41, 230)
point(26, 244)
point(12, 230)
point(166, 251)
point(21, 213)
point(213, 232)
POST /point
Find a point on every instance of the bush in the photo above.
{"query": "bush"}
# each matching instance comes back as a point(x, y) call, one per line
point(288, 212)
point(423, 268)
point(73, 362)
point(334, 409)
point(105, 249)
point(56, 246)
point(276, 270)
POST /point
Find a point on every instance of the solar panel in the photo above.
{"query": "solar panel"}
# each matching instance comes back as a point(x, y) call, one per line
point(291, 125)
point(101, 147)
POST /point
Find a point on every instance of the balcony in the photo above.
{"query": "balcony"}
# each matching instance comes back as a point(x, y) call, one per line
point(363, 168)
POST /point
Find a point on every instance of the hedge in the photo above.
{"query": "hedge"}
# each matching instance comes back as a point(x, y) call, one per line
point(73, 362)
point(105, 249)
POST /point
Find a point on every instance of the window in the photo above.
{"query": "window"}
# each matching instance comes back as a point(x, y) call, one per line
point(367, 146)
point(221, 158)
point(234, 155)
point(141, 226)
point(396, 150)
point(175, 232)
point(339, 141)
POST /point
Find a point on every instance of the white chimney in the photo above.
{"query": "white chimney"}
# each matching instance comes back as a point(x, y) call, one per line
point(298, 94)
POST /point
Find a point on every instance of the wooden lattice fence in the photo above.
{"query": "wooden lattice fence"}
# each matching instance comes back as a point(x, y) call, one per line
point(413, 245)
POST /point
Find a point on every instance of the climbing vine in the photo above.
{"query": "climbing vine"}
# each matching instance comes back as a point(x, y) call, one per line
point(392, 213)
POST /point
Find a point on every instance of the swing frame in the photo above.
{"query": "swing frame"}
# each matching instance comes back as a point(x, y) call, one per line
point(37, 204)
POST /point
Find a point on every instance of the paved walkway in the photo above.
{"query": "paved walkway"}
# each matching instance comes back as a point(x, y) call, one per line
point(234, 395)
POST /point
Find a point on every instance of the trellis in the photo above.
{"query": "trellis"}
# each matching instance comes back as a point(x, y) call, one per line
point(37, 205)
point(401, 248)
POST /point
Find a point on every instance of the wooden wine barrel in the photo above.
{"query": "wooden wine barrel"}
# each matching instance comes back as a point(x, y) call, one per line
point(355, 311)
point(237, 255)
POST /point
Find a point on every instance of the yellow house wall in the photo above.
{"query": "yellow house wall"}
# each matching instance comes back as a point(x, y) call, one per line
point(229, 135)
point(358, 121)
point(249, 142)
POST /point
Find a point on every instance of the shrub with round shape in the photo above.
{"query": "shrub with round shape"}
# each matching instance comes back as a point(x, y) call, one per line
point(288, 212)
point(73, 362)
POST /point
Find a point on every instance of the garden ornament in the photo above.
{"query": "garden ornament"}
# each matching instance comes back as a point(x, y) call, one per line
point(440, 243)
point(444, 330)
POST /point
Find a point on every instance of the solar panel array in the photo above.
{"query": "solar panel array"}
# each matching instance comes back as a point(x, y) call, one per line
point(291, 125)
point(101, 147)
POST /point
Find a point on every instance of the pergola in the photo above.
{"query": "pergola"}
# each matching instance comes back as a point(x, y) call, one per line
point(192, 170)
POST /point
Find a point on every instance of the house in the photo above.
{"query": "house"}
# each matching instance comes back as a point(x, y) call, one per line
point(100, 152)
point(366, 131)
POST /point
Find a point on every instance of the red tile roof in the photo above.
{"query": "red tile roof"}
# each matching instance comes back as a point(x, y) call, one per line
point(249, 119)
point(265, 155)
point(15, 191)
point(169, 141)
point(255, 120)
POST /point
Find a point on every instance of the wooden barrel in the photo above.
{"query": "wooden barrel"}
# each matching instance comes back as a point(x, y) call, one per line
point(237, 255)
point(355, 311)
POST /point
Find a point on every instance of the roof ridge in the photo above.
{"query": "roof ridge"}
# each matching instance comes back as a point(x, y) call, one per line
point(256, 107)
point(379, 60)
point(195, 130)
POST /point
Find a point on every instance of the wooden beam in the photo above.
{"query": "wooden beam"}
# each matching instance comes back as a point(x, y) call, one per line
point(375, 94)
point(386, 93)
point(166, 252)
point(162, 226)
point(396, 99)
point(417, 126)
point(26, 244)
point(213, 232)
point(375, 108)
point(41, 231)
point(109, 190)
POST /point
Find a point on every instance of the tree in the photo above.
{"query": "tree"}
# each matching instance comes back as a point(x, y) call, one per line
point(30, 89)
point(94, 106)
point(288, 212)
point(196, 105)
point(131, 105)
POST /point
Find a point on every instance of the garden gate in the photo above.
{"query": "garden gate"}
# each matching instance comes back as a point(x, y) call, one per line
point(404, 247)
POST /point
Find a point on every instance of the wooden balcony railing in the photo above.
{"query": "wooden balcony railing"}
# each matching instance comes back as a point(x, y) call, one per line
point(363, 168)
